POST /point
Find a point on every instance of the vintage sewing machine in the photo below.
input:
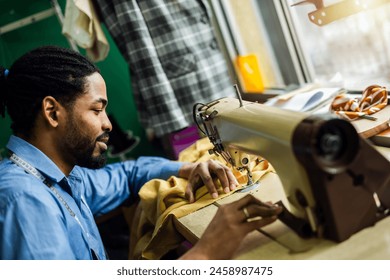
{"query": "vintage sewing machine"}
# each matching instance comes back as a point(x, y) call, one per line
point(335, 182)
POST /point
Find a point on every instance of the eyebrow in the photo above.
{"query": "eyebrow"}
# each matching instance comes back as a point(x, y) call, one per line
point(101, 100)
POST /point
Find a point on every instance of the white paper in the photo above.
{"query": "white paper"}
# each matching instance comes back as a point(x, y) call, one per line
point(306, 101)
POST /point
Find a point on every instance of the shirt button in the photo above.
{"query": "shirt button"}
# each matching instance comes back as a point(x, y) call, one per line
point(213, 44)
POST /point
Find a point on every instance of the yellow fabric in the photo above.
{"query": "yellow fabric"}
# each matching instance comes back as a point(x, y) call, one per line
point(154, 233)
point(81, 24)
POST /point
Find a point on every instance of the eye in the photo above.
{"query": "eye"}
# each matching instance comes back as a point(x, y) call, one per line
point(98, 111)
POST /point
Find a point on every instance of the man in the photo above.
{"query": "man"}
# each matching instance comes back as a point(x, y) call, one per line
point(54, 183)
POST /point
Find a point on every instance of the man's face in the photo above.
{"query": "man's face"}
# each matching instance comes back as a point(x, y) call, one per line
point(87, 127)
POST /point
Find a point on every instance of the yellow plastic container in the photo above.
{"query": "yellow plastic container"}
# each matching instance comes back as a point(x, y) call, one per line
point(249, 70)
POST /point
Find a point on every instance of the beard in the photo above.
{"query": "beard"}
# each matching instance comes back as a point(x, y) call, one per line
point(81, 146)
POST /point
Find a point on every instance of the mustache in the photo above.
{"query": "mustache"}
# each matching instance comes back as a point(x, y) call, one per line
point(103, 137)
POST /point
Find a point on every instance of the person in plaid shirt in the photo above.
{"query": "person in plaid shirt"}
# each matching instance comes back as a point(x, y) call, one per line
point(173, 56)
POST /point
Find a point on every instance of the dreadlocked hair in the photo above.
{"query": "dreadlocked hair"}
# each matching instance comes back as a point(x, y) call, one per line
point(45, 71)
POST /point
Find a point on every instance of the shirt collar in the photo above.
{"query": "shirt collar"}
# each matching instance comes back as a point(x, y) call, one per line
point(35, 157)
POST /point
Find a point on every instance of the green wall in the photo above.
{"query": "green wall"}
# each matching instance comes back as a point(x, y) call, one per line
point(48, 32)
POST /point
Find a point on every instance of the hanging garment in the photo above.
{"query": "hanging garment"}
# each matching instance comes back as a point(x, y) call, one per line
point(173, 56)
point(82, 25)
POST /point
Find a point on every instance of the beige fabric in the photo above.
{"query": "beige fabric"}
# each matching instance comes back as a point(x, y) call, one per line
point(154, 234)
point(82, 25)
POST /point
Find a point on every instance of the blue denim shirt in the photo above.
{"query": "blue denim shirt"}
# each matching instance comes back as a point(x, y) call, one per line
point(35, 224)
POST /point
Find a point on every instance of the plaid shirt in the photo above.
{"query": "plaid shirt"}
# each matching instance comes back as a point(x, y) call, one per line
point(173, 55)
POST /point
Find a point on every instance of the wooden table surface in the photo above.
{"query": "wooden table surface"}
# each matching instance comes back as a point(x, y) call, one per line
point(276, 241)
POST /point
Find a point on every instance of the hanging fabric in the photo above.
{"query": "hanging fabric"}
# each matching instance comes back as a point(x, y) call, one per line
point(82, 25)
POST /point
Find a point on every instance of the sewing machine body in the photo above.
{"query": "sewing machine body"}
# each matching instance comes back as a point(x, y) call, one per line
point(335, 182)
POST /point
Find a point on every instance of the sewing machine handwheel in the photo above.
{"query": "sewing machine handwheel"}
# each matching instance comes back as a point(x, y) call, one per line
point(332, 144)
point(337, 142)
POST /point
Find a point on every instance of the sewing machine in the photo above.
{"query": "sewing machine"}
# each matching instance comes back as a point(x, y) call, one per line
point(335, 182)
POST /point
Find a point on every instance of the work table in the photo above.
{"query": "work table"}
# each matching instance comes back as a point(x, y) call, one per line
point(277, 241)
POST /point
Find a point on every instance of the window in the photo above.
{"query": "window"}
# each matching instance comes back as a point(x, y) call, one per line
point(351, 52)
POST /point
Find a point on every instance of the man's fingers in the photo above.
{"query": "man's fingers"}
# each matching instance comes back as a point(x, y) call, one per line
point(254, 212)
point(251, 225)
point(206, 173)
point(225, 176)
point(233, 183)
point(246, 200)
point(190, 193)
point(251, 210)
point(192, 185)
point(220, 173)
point(208, 181)
point(211, 188)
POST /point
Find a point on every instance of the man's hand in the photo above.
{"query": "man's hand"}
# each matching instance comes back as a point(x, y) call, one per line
point(205, 173)
point(230, 225)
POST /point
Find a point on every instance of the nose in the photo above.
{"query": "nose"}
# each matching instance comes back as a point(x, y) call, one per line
point(106, 124)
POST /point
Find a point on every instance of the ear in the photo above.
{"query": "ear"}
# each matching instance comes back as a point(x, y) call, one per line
point(50, 110)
